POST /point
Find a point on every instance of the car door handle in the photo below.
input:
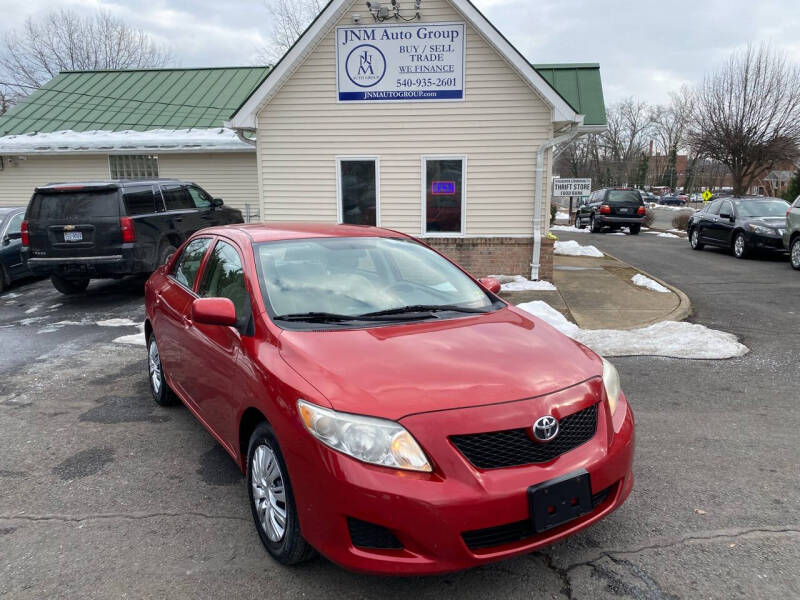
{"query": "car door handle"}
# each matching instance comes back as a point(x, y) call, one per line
point(178, 219)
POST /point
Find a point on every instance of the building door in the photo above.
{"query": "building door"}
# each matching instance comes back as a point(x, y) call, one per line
point(359, 188)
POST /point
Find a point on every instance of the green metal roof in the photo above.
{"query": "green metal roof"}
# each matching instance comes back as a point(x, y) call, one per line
point(580, 85)
point(137, 100)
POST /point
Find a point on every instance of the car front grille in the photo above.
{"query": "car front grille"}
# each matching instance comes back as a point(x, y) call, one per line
point(516, 532)
point(516, 447)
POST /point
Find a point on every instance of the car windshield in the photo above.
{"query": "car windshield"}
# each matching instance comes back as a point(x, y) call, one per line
point(363, 278)
point(761, 208)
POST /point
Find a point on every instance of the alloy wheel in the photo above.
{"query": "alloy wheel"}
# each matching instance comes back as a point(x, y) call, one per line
point(695, 238)
point(738, 246)
point(796, 253)
point(154, 366)
point(269, 492)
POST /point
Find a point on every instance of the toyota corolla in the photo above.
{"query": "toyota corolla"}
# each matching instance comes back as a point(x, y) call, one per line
point(388, 410)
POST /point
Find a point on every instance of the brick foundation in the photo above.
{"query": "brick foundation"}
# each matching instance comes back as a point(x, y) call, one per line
point(496, 256)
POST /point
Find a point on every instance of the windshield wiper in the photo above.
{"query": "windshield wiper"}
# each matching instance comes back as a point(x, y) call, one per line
point(324, 317)
point(425, 308)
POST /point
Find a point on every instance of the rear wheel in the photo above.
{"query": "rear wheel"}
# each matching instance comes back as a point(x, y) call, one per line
point(166, 251)
point(162, 393)
point(794, 253)
point(272, 501)
point(594, 226)
point(694, 239)
point(69, 286)
point(740, 249)
point(635, 229)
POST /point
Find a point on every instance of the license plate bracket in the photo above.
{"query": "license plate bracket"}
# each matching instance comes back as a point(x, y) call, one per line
point(73, 236)
point(560, 500)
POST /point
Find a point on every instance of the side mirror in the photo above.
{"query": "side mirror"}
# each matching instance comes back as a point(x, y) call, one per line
point(216, 203)
point(214, 311)
point(491, 284)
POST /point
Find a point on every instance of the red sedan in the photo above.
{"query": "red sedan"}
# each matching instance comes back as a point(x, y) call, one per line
point(388, 410)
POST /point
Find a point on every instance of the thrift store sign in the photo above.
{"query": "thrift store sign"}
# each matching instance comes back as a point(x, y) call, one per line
point(400, 63)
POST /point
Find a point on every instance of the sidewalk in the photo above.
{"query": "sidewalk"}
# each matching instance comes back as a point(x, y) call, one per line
point(598, 293)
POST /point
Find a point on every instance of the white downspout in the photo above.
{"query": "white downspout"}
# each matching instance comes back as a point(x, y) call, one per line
point(538, 221)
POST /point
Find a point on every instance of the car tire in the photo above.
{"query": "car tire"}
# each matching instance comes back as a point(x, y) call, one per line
point(2, 279)
point(272, 500)
point(162, 393)
point(166, 251)
point(694, 239)
point(69, 287)
point(593, 225)
point(635, 229)
point(794, 253)
point(579, 223)
point(740, 249)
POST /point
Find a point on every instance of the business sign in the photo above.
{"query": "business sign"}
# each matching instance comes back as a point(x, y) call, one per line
point(401, 63)
point(571, 187)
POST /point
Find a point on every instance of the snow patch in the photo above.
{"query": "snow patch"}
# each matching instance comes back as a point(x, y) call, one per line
point(668, 235)
point(33, 309)
point(650, 284)
point(573, 248)
point(671, 339)
point(117, 323)
point(11, 295)
point(218, 138)
point(517, 283)
point(135, 339)
point(568, 228)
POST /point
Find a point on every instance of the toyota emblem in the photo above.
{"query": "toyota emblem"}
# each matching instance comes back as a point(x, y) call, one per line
point(545, 428)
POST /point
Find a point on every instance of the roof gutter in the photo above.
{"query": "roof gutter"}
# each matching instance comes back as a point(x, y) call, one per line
point(538, 221)
point(240, 133)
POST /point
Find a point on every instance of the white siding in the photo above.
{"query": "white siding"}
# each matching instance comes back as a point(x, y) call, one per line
point(17, 182)
point(230, 176)
point(498, 127)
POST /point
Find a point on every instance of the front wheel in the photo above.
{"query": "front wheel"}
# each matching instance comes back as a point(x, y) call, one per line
point(272, 501)
point(740, 249)
point(162, 393)
point(69, 286)
point(795, 253)
point(579, 223)
point(694, 239)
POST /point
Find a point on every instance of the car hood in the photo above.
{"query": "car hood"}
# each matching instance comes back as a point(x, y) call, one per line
point(395, 371)
point(768, 221)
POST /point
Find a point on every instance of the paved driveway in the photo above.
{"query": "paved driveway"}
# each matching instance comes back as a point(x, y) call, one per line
point(105, 494)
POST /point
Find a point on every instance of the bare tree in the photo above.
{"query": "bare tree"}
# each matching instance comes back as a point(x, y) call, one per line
point(747, 115)
point(289, 20)
point(624, 142)
point(64, 40)
point(670, 124)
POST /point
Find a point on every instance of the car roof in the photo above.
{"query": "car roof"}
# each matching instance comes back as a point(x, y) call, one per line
point(272, 232)
point(108, 183)
point(7, 210)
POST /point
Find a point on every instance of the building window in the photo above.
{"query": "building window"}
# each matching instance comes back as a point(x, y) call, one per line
point(443, 194)
point(133, 166)
point(359, 189)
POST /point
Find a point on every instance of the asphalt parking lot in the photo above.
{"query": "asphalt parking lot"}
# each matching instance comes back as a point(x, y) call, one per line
point(107, 495)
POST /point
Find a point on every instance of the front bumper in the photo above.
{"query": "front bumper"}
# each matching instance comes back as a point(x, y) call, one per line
point(768, 243)
point(429, 513)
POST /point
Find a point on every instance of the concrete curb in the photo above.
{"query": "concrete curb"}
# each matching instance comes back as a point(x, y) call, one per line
point(684, 308)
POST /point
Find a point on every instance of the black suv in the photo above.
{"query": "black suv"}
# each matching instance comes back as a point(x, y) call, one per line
point(75, 232)
point(614, 208)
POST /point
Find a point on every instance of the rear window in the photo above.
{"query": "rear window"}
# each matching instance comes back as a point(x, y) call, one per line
point(624, 197)
point(74, 205)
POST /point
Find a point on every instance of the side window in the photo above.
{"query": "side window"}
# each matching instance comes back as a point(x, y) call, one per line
point(726, 208)
point(714, 208)
point(224, 278)
point(15, 224)
point(139, 200)
point(176, 197)
point(797, 202)
point(200, 198)
point(187, 266)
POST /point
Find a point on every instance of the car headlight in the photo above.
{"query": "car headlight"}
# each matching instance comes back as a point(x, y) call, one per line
point(612, 385)
point(371, 440)
point(762, 230)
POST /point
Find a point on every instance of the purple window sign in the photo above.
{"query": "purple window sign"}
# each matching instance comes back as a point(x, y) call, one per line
point(443, 188)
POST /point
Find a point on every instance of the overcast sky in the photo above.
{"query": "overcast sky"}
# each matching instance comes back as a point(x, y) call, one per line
point(645, 48)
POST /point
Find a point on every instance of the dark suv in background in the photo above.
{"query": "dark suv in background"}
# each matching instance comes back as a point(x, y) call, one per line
point(75, 232)
point(614, 208)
